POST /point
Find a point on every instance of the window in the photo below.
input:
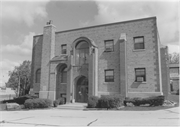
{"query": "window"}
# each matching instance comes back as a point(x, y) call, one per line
point(140, 74)
point(109, 75)
point(139, 42)
point(64, 75)
point(63, 49)
point(38, 75)
point(174, 71)
point(82, 53)
point(109, 45)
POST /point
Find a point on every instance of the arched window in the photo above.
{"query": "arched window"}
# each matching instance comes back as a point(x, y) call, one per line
point(64, 75)
point(38, 75)
point(82, 53)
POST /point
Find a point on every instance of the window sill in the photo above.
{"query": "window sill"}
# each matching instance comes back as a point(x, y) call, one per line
point(109, 82)
point(138, 50)
point(140, 82)
point(108, 51)
point(63, 83)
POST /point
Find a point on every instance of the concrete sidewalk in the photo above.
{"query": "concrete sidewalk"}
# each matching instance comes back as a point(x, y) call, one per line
point(56, 117)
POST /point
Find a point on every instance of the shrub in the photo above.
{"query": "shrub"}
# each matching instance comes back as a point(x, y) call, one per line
point(110, 101)
point(59, 101)
point(37, 103)
point(156, 100)
point(93, 102)
point(55, 103)
point(48, 102)
point(177, 93)
point(20, 100)
point(152, 101)
point(28, 104)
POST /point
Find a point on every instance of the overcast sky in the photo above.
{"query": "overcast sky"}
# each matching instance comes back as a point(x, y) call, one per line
point(20, 20)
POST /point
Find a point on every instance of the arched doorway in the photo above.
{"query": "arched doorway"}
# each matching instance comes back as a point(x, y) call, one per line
point(82, 89)
point(61, 81)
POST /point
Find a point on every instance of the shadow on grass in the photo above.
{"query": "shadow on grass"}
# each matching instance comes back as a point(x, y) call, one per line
point(135, 108)
point(146, 108)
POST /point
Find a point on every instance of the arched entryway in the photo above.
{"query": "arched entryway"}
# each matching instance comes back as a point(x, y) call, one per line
point(81, 89)
point(61, 81)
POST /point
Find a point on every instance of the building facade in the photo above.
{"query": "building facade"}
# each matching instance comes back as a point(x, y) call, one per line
point(120, 58)
point(174, 77)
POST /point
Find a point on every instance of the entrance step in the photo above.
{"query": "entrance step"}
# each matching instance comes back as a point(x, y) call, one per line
point(73, 106)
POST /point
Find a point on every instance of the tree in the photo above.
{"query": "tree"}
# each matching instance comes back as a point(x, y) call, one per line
point(19, 79)
point(174, 58)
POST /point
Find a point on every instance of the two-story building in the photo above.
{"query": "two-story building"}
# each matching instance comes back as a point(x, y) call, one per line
point(119, 58)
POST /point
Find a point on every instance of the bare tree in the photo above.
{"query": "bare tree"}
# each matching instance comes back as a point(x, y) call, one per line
point(174, 58)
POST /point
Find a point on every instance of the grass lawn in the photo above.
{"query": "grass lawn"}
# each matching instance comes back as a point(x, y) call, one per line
point(174, 98)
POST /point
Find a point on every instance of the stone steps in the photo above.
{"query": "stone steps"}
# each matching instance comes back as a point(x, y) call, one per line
point(73, 106)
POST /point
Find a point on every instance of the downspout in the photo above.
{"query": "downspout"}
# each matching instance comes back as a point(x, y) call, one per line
point(159, 61)
point(124, 40)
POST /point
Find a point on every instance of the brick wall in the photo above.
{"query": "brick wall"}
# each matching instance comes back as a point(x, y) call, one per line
point(147, 58)
point(36, 60)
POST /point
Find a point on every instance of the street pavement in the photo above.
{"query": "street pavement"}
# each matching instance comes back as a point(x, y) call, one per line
point(57, 117)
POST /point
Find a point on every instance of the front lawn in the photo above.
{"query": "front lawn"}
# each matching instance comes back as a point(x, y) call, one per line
point(174, 98)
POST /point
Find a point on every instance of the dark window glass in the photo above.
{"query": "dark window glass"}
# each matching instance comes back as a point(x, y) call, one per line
point(109, 45)
point(38, 75)
point(140, 74)
point(64, 75)
point(63, 49)
point(109, 75)
point(82, 53)
point(138, 42)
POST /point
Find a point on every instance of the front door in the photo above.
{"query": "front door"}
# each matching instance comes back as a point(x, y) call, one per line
point(82, 89)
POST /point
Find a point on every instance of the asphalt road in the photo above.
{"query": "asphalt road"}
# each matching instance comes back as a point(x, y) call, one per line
point(57, 117)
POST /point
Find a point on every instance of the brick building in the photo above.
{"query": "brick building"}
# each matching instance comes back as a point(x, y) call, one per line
point(174, 77)
point(119, 58)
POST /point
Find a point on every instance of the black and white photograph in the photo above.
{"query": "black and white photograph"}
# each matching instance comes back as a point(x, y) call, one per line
point(89, 63)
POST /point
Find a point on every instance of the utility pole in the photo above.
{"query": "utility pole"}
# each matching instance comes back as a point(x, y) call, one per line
point(19, 83)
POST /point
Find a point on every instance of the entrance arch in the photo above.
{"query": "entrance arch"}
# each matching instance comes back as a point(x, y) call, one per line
point(61, 80)
point(81, 89)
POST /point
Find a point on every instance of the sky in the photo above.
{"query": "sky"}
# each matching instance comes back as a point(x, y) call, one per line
point(21, 20)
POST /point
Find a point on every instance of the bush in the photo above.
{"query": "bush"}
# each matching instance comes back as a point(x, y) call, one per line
point(106, 101)
point(37, 103)
point(55, 103)
point(93, 102)
point(152, 101)
point(20, 100)
point(59, 101)
point(156, 100)
point(28, 104)
point(177, 93)
point(48, 102)
point(111, 101)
